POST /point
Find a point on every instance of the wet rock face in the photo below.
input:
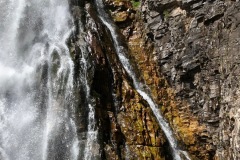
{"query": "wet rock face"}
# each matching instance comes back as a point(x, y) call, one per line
point(197, 43)
point(127, 128)
point(187, 52)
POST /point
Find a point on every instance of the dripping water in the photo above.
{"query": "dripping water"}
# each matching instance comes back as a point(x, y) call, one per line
point(91, 144)
point(92, 132)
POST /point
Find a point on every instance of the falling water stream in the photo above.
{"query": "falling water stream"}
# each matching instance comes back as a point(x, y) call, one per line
point(141, 88)
point(36, 81)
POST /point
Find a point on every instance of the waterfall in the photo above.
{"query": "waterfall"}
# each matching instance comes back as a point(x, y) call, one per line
point(141, 88)
point(36, 81)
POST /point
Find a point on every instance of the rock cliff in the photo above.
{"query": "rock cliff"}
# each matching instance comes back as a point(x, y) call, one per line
point(186, 51)
point(197, 47)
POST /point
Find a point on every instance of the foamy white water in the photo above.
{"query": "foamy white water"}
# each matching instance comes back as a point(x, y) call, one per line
point(36, 81)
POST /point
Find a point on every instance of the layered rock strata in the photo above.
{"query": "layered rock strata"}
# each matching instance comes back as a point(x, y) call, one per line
point(197, 47)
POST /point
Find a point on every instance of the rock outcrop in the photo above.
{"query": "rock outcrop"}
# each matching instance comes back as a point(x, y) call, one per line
point(126, 125)
point(186, 51)
point(197, 47)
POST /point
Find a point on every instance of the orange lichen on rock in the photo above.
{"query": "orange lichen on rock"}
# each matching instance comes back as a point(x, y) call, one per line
point(142, 133)
point(138, 124)
point(177, 113)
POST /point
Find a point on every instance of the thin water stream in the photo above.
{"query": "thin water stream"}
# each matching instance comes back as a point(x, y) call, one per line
point(92, 132)
point(141, 88)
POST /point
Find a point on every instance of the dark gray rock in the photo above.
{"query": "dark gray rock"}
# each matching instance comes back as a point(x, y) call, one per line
point(198, 51)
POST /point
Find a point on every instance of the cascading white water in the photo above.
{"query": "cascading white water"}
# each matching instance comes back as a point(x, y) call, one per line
point(36, 81)
point(141, 88)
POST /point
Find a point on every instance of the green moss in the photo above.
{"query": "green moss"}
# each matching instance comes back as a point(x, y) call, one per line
point(135, 4)
point(166, 14)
